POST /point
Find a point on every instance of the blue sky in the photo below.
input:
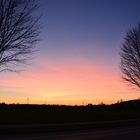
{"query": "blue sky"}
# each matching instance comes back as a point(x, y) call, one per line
point(78, 58)
point(90, 28)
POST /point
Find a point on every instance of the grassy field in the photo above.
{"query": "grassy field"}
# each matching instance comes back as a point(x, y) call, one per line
point(46, 114)
point(21, 119)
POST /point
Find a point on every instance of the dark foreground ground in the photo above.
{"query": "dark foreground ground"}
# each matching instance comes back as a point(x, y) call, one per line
point(49, 114)
point(115, 133)
point(120, 121)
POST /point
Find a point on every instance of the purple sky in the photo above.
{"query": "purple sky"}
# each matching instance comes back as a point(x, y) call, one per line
point(78, 37)
point(93, 29)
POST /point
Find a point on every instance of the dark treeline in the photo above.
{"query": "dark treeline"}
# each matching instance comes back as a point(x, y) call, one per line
point(32, 113)
point(131, 104)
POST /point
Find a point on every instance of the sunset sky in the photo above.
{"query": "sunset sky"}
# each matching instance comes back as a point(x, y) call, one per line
point(78, 56)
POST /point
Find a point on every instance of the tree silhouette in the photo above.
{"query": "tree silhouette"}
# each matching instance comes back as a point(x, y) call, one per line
point(130, 57)
point(19, 32)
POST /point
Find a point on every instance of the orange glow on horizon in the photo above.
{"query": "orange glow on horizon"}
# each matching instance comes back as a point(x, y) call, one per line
point(69, 82)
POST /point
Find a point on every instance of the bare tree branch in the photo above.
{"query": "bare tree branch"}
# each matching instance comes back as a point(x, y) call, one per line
point(19, 32)
point(130, 57)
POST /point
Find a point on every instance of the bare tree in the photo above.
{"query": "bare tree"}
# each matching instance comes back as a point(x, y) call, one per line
point(130, 57)
point(19, 32)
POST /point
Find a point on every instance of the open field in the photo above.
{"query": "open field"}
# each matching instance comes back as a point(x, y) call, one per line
point(48, 114)
point(27, 119)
